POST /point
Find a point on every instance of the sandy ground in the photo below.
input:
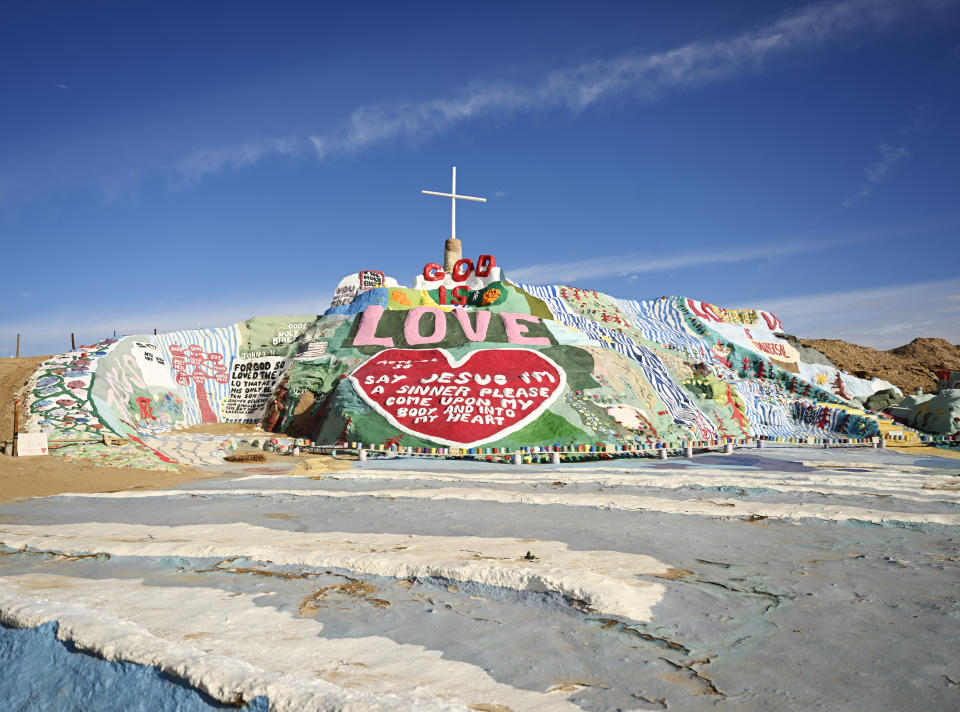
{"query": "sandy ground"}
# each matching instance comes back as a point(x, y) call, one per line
point(928, 451)
point(250, 429)
point(43, 475)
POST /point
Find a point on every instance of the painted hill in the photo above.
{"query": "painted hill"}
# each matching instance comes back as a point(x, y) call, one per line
point(469, 360)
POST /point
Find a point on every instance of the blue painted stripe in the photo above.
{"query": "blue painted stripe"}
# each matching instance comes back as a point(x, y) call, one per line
point(661, 321)
point(679, 404)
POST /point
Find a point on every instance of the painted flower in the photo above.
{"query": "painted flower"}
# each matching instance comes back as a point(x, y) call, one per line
point(490, 296)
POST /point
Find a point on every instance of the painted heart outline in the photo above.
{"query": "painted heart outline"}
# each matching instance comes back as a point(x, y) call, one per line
point(501, 371)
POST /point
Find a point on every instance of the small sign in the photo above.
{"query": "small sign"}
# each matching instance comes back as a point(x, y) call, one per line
point(371, 278)
point(32, 444)
point(351, 285)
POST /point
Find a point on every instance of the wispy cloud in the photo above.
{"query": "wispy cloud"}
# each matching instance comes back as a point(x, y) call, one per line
point(63, 87)
point(890, 156)
point(646, 77)
point(194, 167)
point(881, 317)
point(629, 265)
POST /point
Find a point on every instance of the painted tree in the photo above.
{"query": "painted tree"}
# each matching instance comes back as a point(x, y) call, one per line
point(824, 418)
point(843, 422)
point(394, 441)
point(738, 415)
point(346, 428)
point(761, 373)
point(720, 427)
point(194, 366)
point(839, 388)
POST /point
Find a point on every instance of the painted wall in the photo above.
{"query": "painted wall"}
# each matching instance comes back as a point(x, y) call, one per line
point(757, 331)
point(512, 365)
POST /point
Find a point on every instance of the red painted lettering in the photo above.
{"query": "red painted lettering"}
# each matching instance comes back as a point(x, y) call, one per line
point(462, 269)
point(485, 263)
point(146, 410)
point(706, 311)
point(432, 272)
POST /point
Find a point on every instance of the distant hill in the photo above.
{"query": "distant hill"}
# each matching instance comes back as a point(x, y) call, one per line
point(907, 367)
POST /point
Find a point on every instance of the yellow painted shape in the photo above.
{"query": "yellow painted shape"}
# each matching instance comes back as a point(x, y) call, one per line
point(426, 300)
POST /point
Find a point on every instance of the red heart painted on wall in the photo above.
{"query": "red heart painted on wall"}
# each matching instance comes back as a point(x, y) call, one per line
point(485, 396)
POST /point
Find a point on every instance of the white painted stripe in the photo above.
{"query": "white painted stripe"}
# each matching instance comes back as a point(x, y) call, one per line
point(919, 489)
point(703, 506)
point(670, 479)
point(226, 644)
point(604, 580)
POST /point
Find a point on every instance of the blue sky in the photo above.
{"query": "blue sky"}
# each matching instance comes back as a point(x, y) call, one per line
point(168, 164)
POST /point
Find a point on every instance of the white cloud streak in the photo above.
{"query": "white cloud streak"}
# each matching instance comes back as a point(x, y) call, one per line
point(890, 156)
point(634, 263)
point(645, 77)
point(192, 168)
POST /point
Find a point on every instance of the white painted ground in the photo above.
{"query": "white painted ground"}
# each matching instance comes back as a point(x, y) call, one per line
point(784, 580)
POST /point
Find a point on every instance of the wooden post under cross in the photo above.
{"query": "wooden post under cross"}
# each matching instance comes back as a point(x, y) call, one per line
point(16, 422)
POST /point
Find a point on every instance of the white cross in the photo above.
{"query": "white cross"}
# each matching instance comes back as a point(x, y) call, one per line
point(453, 201)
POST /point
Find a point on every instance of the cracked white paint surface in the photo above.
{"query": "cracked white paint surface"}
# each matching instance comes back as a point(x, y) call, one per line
point(703, 506)
point(604, 580)
point(209, 642)
point(894, 481)
point(799, 612)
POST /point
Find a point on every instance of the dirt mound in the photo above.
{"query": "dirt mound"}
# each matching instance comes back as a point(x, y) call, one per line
point(14, 373)
point(930, 351)
point(908, 367)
